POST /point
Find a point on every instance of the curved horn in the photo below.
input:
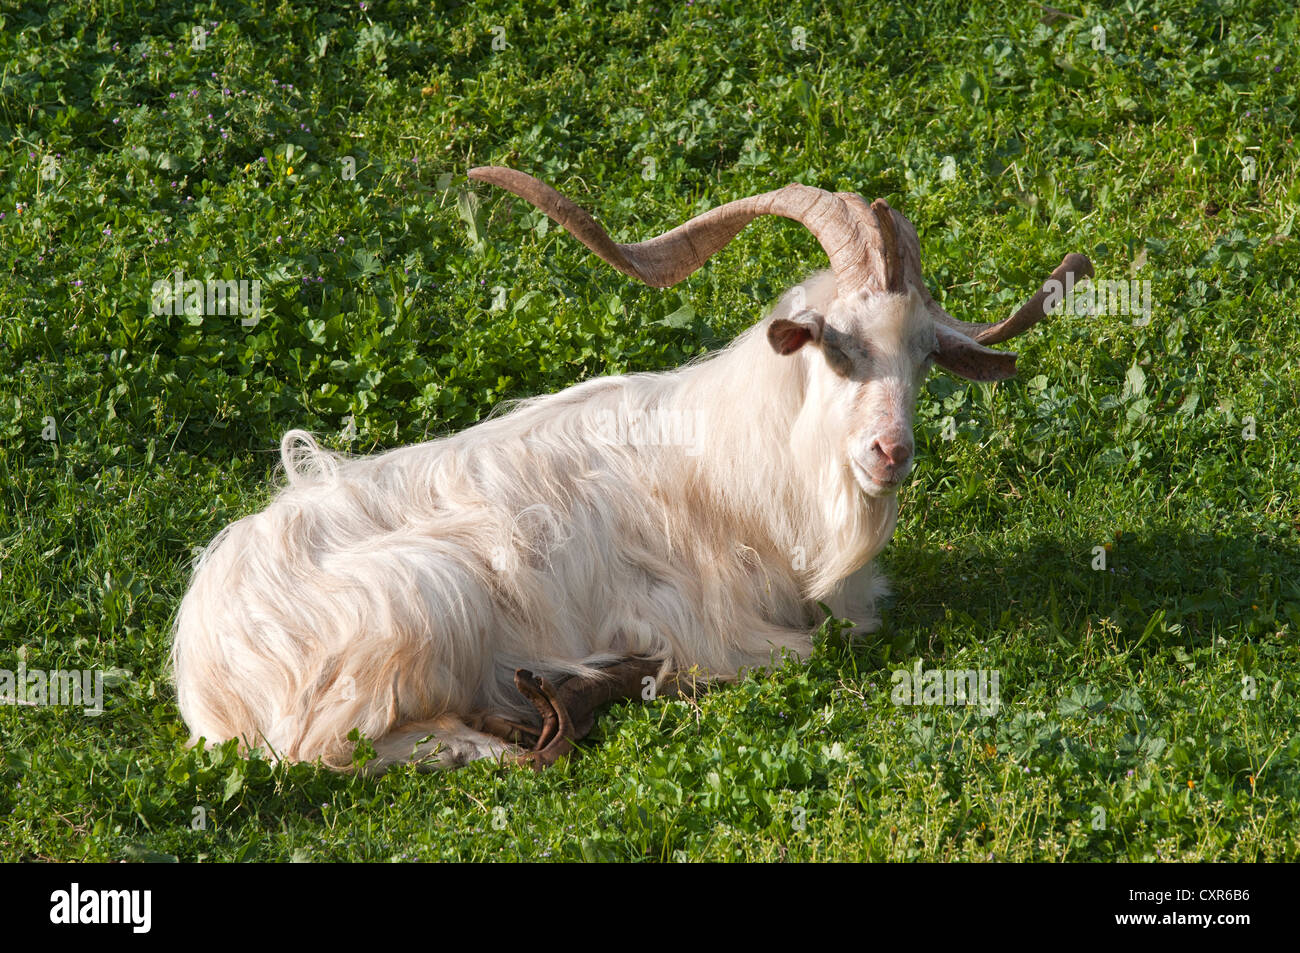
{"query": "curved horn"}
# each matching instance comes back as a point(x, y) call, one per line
point(1072, 269)
point(894, 281)
point(671, 257)
point(890, 260)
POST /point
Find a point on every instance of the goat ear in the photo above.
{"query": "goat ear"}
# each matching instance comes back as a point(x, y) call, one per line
point(975, 362)
point(787, 335)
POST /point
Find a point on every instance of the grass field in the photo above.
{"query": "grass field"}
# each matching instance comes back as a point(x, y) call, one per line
point(1149, 708)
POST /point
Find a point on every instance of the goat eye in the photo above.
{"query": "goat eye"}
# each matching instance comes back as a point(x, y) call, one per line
point(837, 359)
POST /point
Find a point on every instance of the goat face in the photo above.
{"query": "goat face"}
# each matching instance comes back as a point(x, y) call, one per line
point(866, 359)
point(879, 361)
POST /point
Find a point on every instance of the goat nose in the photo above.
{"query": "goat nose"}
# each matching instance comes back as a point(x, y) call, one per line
point(896, 453)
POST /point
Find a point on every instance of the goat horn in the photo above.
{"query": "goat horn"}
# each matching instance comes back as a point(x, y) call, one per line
point(1073, 268)
point(671, 257)
point(894, 281)
point(889, 258)
point(900, 263)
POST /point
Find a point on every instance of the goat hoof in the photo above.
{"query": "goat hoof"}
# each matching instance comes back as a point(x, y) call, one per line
point(553, 742)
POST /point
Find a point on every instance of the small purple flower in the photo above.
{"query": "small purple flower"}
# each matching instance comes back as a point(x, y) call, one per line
point(107, 230)
point(171, 95)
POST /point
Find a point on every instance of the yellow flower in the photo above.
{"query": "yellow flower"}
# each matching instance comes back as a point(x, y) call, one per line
point(1191, 783)
point(289, 171)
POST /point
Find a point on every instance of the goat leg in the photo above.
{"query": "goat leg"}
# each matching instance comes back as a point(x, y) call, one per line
point(568, 711)
point(625, 679)
point(516, 732)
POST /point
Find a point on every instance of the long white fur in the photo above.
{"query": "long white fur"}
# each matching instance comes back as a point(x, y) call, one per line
point(397, 594)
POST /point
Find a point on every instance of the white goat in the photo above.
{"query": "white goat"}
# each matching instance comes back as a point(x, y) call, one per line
point(413, 594)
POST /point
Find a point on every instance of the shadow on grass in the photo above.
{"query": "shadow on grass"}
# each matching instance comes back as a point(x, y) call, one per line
point(1210, 584)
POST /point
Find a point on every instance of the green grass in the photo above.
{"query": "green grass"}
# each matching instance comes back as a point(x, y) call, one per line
point(1126, 730)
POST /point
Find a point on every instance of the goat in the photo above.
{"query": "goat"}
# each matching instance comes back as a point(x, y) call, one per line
point(479, 595)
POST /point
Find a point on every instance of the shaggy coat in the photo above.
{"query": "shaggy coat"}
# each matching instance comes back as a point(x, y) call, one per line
point(694, 517)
